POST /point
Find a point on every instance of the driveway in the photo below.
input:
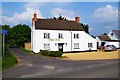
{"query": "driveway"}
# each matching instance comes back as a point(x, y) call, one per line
point(33, 64)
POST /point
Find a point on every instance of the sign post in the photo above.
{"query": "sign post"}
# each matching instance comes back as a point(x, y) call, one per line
point(4, 32)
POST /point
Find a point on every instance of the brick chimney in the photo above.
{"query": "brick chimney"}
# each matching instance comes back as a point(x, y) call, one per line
point(34, 18)
point(77, 19)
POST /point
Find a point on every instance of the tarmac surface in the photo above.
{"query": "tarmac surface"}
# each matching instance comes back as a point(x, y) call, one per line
point(34, 65)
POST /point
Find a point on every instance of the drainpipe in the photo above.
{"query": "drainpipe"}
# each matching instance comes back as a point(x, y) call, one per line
point(71, 39)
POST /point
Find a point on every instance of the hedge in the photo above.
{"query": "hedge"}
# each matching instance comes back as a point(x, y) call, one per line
point(51, 53)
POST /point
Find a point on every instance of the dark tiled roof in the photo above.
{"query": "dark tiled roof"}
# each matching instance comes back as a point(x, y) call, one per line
point(51, 24)
point(104, 38)
point(117, 32)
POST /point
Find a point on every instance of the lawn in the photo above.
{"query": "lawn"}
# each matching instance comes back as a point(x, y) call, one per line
point(92, 55)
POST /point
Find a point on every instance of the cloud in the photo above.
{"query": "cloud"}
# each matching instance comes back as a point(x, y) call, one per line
point(35, 5)
point(106, 14)
point(0, 19)
point(66, 13)
point(91, 29)
point(24, 17)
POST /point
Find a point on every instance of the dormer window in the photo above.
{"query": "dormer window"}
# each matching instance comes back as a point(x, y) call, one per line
point(111, 34)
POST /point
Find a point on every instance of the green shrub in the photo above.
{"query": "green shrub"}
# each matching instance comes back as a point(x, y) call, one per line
point(51, 53)
point(44, 52)
point(57, 54)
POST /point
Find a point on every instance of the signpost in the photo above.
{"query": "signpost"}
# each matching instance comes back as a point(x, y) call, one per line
point(4, 32)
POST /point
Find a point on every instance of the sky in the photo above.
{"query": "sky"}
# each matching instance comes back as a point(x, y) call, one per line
point(100, 16)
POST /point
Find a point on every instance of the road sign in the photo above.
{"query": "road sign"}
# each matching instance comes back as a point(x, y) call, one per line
point(4, 31)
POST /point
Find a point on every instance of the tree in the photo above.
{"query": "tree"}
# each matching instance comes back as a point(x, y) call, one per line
point(105, 34)
point(93, 36)
point(85, 27)
point(5, 27)
point(19, 34)
point(59, 18)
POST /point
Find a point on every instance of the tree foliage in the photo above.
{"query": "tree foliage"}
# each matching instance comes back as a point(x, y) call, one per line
point(85, 27)
point(17, 35)
point(59, 18)
point(104, 33)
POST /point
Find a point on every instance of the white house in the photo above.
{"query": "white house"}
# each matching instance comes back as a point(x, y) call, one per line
point(115, 37)
point(60, 35)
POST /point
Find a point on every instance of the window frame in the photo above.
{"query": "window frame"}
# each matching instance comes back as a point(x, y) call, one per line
point(90, 45)
point(76, 36)
point(46, 35)
point(76, 44)
point(48, 46)
point(60, 35)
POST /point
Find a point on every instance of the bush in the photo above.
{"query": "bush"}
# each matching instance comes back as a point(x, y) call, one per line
point(51, 53)
point(44, 52)
point(56, 53)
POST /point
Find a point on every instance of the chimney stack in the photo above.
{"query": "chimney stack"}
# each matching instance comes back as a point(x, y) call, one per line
point(77, 19)
point(34, 18)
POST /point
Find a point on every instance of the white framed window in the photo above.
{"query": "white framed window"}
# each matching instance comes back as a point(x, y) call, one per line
point(60, 36)
point(76, 36)
point(46, 35)
point(90, 45)
point(76, 45)
point(47, 46)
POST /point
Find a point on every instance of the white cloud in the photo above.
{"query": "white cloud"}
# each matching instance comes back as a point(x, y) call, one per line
point(106, 14)
point(0, 19)
point(66, 13)
point(91, 29)
point(24, 17)
point(35, 5)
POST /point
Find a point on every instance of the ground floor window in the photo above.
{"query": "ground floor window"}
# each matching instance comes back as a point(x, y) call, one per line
point(47, 46)
point(76, 45)
point(90, 45)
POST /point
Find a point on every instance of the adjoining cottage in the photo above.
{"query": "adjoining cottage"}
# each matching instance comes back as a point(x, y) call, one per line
point(60, 35)
point(113, 38)
point(102, 40)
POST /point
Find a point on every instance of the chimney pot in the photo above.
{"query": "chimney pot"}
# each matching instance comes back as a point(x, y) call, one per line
point(35, 15)
point(77, 19)
point(34, 18)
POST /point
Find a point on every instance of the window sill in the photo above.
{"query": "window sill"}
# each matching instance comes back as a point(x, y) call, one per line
point(76, 48)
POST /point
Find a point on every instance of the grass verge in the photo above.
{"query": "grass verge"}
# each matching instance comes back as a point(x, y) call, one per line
point(26, 51)
point(8, 61)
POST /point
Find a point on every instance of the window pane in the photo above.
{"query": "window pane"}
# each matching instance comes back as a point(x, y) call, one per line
point(47, 46)
point(46, 35)
point(76, 45)
point(60, 35)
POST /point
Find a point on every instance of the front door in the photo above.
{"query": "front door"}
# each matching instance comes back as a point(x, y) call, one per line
point(60, 47)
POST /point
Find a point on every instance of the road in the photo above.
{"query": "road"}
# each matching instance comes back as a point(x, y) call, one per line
point(35, 66)
point(109, 70)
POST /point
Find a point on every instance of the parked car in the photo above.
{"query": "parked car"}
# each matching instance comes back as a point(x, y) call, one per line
point(110, 48)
